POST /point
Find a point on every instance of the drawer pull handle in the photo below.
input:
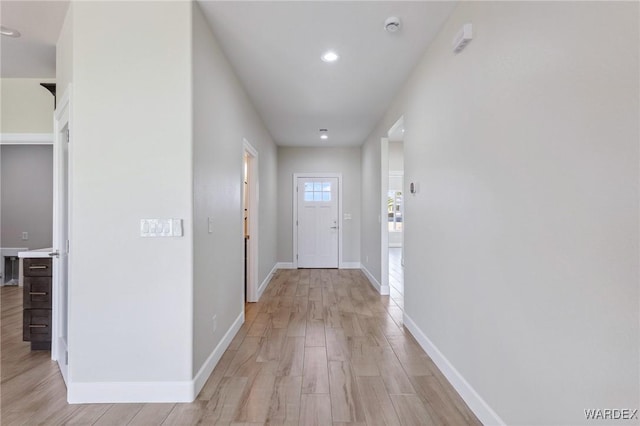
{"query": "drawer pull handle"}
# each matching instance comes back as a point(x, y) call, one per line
point(38, 267)
point(37, 326)
point(38, 293)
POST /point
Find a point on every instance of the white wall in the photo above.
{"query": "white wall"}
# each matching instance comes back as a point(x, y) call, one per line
point(27, 195)
point(396, 156)
point(130, 307)
point(521, 256)
point(320, 160)
point(370, 238)
point(64, 53)
point(223, 116)
point(26, 106)
point(26, 203)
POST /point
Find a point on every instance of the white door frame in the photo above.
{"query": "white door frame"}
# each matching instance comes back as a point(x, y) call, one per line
point(384, 220)
point(62, 118)
point(252, 209)
point(295, 212)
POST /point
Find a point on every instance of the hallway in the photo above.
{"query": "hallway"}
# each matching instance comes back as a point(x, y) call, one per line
point(321, 347)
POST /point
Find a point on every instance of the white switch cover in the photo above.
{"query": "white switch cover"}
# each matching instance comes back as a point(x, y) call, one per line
point(347, 216)
point(25, 236)
point(210, 225)
point(161, 227)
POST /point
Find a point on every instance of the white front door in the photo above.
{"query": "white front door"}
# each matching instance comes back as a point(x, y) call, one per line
point(317, 222)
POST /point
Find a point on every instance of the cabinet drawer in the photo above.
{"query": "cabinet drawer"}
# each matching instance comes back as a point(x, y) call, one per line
point(36, 267)
point(37, 293)
point(36, 325)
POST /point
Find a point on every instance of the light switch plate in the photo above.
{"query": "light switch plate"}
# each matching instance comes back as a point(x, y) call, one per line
point(161, 228)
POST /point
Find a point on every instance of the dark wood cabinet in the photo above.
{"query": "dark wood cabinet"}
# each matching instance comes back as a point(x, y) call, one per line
point(36, 316)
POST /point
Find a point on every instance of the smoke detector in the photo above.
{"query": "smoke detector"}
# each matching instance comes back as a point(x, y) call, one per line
point(392, 24)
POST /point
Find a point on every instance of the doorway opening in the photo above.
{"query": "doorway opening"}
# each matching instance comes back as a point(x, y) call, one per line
point(393, 226)
point(250, 221)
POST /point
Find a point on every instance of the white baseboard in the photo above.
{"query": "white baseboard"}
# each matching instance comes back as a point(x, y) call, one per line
point(266, 281)
point(149, 392)
point(382, 289)
point(350, 265)
point(123, 392)
point(207, 368)
point(479, 406)
point(284, 265)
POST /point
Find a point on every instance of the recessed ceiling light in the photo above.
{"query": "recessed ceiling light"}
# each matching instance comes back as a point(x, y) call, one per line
point(323, 134)
point(330, 56)
point(9, 32)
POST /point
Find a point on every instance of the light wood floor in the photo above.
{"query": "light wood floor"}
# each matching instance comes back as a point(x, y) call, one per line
point(320, 348)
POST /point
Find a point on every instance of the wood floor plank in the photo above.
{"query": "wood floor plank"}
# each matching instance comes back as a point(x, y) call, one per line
point(332, 317)
point(152, 414)
point(254, 405)
point(183, 414)
point(443, 407)
point(411, 410)
point(284, 407)
point(413, 359)
point(377, 404)
point(337, 345)
point(280, 318)
point(292, 358)
point(315, 376)
point(297, 324)
point(225, 401)
point(315, 410)
point(316, 310)
point(272, 345)
point(84, 414)
point(351, 325)
point(260, 325)
point(346, 404)
point(314, 335)
point(244, 357)
point(216, 376)
point(394, 376)
point(119, 414)
point(361, 357)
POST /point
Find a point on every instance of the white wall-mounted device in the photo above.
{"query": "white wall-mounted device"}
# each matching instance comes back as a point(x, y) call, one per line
point(462, 38)
point(161, 227)
point(392, 24)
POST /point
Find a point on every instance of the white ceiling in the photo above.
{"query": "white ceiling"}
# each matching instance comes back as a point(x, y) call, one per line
point(33, 55)
point(275, 48)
